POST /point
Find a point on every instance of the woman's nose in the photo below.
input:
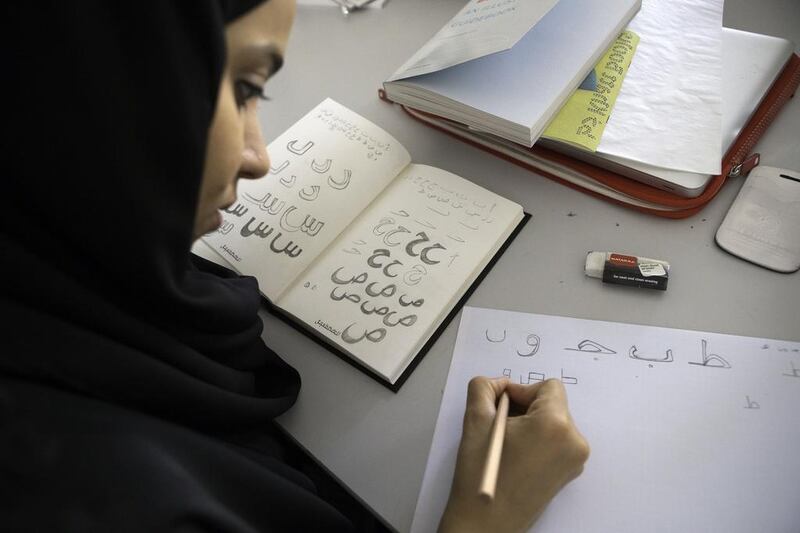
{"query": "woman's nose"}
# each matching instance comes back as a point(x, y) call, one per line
point(255, 161)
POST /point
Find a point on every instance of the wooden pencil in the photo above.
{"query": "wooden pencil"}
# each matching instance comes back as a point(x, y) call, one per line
point(492, 465)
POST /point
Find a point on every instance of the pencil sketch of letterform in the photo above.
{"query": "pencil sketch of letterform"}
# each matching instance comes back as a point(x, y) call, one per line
point(237, 210)
point(507, 373)
point(378, 228)
point(423, 255)
point(633, 354)
point(486, 218)
point(377, 253)
point(311, 226)
point(269, 203)
point(321, 169)
point(383, 252)
point(389, 234)
point(225, 228)
point(288, 181)
point(292, 147)
point(262, 230)
point(387, 268)
point(285, 223)
point(422, 238)
point(290, 248)
point(533, 341)
point(407, 321)
point(354, 250)
point(444, 213)
point(376, 335)
point(794, 372)
point(497, 339)
point(711, 359)
point(279, 168)
point(425, 223)
point(310, 193)
point(414, 275)
point(401, 213)
point(340, 184)
point(456, 238)
point(387, 291)
point(751, 404)
point(532, 377)
point(593, 347)
point(469, 226)
point(380, 311)
point(568, 380)
point(340, 281)
point(406, 302)
point(336, 297)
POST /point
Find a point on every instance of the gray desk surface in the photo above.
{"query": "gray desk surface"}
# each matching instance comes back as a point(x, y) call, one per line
point(376, 442)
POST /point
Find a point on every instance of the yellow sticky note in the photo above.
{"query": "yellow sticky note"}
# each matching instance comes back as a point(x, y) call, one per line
point(581, 121)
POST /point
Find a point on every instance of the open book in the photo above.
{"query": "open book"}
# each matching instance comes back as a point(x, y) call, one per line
point(358, 246)
point(506, 68)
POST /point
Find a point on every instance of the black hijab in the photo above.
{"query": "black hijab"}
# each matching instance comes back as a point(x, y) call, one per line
point(124, 360)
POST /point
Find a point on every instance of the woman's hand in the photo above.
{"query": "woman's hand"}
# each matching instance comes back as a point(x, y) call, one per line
point(542, 452)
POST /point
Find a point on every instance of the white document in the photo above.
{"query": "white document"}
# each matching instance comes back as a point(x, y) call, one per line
point(689, 431)
point(669, 111)
point(479, 29)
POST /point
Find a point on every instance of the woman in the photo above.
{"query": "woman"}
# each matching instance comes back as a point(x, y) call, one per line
point(135, 390)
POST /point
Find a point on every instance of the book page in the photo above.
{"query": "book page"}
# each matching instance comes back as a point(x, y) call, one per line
point(689, 430)
point(386, 283)
point(324, 171)
point(479, 29)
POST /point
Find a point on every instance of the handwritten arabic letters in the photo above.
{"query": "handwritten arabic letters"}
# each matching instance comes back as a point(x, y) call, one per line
point(710, 360)
point(292, 147)
point(533, 341)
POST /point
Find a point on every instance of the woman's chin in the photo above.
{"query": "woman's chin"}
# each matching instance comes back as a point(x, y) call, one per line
point(210, 223)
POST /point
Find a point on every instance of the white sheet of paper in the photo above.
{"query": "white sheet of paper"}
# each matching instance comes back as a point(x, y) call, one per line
point(669, 111)
point(677, 445)
point(479, 29)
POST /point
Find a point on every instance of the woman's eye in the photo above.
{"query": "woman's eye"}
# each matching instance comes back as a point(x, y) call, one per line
point(245, 91)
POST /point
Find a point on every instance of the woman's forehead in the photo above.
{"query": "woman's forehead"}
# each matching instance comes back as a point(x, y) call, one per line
point(266, 25)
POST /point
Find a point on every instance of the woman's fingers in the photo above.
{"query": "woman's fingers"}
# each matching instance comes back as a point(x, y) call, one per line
point(482, 395)
point(550, 392)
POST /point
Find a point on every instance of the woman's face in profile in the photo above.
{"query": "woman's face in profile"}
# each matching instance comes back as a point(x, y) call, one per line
point(255, 44)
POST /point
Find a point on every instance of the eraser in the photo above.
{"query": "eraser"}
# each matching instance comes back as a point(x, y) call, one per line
point(629, 270)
